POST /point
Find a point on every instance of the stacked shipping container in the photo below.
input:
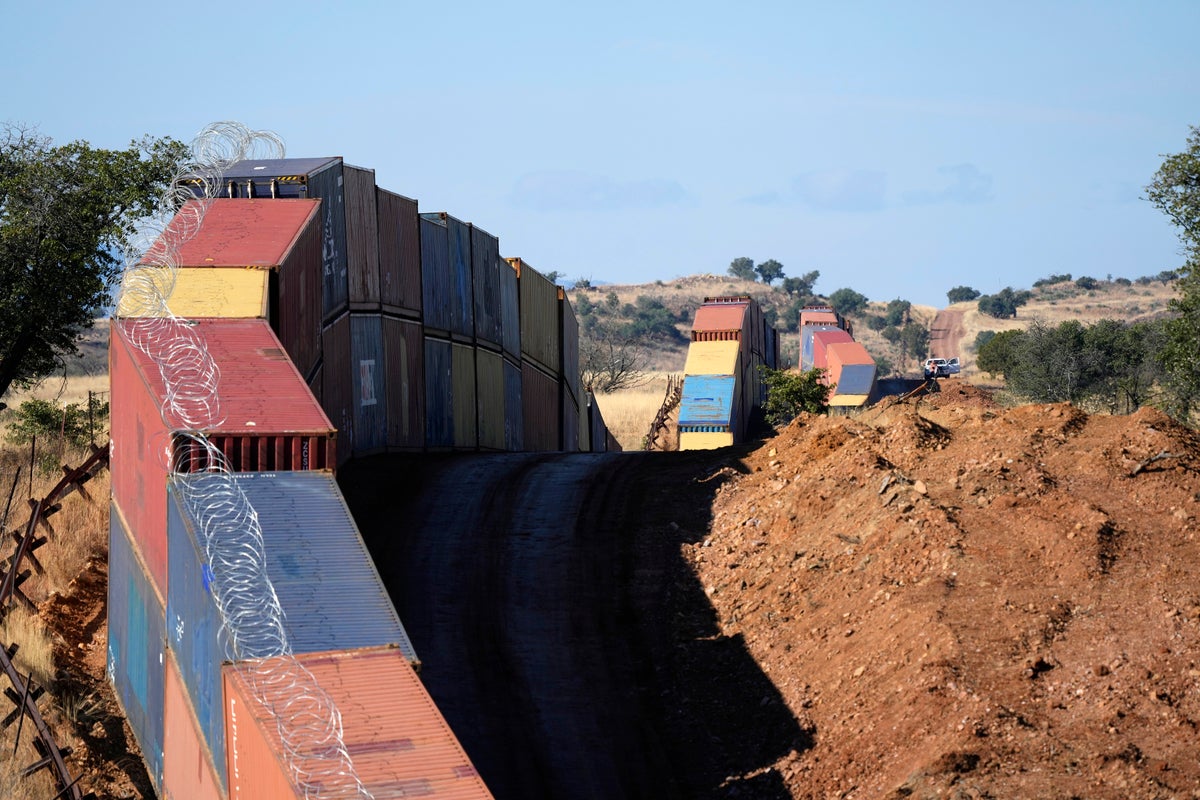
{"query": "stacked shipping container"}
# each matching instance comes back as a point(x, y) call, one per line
point(827, 343)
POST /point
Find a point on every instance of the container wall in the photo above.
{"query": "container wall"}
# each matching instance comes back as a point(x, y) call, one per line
point(437, 290)
point(704, 440)
point(569, 344)
point(256, 453)
point(584, 424)
point(337, 384)
point(399, 254)
point(806, 341)
point(404, 374)
point(462, 289)
point(708, 400)
point(295, 312)
point(462, 395)
point(400, 744)
point(335, 287)
point(570, 420)
point(539, 319)
point(514, 408)
point(821, 340)
point(726, 319)
point(439, 394)
point(510, 309)
point(362, 238)
point(136, 635)
point(543, 416)
point(314, 385)
point(713, 358)
point(370, 387)
point(485, 274)
point(139, 476)
point(223, 293)
point(189, 768)
point(490, 400)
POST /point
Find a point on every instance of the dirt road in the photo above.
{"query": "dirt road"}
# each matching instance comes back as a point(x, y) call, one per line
point(946, 333)
point(561, 634)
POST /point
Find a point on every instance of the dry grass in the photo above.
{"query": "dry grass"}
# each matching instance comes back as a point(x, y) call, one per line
point(62, 390)
point(628, 413)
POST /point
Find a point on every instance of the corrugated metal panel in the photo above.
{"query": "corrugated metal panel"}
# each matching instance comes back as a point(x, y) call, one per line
point(584, 425)
point(771, 347)
point(510, 309)
point(539, 318)
point(597, 429)
point(337, 384)
point(569, 338)
point(138, 436)
point(485, 273)
point(854, 368)
point(708, 400)
point(540, 398)
point(326, 583)
point(704, 440)
point(514, 409)
point(399, 254)
point(437, 290)
point(570, 421)
point(490, 399)
point(234, 233)
point(136, 635)
point(713, 358)
point(466, 430)
point(307, 178)
point(821, 340)
point(404, 357)
point(228, 293)
point(189, 768)
point(400, 744)
point(461, 287)
point(439, 393)
point(820, 315)
point(314, 383)
point(370, 386)
point(362, 238)
point(725, 317)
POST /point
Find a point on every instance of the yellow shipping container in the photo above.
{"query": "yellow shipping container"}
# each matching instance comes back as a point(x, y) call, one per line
point(204, 292)
point(712, 358)
point(705, 440)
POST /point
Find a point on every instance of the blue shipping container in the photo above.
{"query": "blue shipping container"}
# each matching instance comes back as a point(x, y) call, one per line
point(136, 637)
point(437, 296)
point(485, 274)
point(368, 375)
point(439, 393)
point(510, 309)
point(708, 400)
point(462, 288)
point(856, 379)
point(514, 409)
point(327, 586)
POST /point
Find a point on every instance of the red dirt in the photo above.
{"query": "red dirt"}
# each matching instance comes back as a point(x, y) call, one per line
point(946, 333)
point(962, 600)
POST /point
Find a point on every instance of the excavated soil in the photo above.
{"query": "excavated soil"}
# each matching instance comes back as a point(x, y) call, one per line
point(959, 600)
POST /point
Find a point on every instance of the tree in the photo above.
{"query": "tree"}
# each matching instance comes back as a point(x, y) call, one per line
point(962, 294)
point(742, 268)
point(1175, 191)
point(769, 270)
point(789, 393)
point(1000, 355)
point(64, 211)
point(801, 286)
point(847, 301)
point(610, 359)
point(897, 312)
point(553, 276)
point(1004, 303)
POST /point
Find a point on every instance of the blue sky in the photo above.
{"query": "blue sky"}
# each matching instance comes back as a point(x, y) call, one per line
point(900, 149)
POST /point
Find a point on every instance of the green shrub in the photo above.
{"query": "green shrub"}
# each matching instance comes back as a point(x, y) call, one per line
point(789, 393)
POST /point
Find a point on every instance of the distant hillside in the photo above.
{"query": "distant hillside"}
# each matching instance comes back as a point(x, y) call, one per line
point(1050, 303)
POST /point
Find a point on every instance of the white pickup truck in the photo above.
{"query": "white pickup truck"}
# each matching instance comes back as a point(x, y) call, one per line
point(941, 367)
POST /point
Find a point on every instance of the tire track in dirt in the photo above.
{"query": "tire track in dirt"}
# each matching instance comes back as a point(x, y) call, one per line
point(946, 334)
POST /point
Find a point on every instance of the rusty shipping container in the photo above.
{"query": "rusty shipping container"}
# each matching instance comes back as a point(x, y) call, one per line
point(136, 641)
point(362, 238)
point(462, 376)
point(568, 336)
point(269, 421)
point(370, 385)
point(726, 321)
point(298, 177)
point(485, 275)
point(326, 586)
point(404, 376)
point(490, 402)
point(542, 400)
point(510, 310)
point(514, 408)
point(399, 254)
point(439, 394)
point(540, 327)
point(281, 237)
point(337, 384)
point(400, 744)
point(189, 766)
point(437, 286)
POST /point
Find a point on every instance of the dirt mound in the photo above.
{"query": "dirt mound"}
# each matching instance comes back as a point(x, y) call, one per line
point(961, 600)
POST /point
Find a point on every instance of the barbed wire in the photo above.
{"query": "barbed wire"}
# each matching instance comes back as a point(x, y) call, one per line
point(252, 619)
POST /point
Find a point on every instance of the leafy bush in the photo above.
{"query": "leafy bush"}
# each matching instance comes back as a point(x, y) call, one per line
point(1064, 278)
point(962, 294)
point(790, 393)
point(47, 419)
point(1084, 282)
point(847, 301)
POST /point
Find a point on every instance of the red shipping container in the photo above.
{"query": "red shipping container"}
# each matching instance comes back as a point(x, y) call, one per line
point(269, 421)
point(399, 743)
point(821, 342)
point(189, 772)
point(721, 322)
point(542, 408)
point(283, 236)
